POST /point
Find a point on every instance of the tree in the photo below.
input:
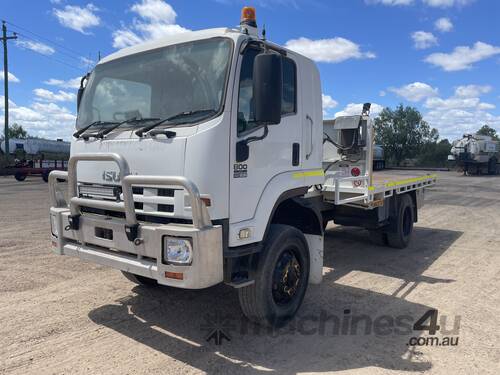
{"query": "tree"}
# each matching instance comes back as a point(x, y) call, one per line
point(402, 133)
point(487, 130)
point(434, 154)
point(17, 131)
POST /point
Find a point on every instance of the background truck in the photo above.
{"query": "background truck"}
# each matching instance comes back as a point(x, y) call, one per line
point(36, 156)
point(378, 158)
point(203, 158)
point(476, 154)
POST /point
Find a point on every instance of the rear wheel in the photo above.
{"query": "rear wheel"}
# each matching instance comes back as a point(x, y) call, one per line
point(280, 279)
point(19, 176)
point(140, 280)
point(400, 238)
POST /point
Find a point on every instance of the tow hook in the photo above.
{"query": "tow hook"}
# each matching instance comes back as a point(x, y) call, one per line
point(73, 222)
point(132, 232)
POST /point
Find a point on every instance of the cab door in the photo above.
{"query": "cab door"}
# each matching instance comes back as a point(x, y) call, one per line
point(277, 153)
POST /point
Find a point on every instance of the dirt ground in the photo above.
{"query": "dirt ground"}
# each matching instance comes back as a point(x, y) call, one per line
point(59, 315)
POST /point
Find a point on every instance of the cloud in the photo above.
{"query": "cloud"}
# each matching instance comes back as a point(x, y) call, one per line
point(60, 96)
point(78, 18)
point(328, 104)
point(390, 2)
point(465, 97)
point(414, 92)
point(73, 83)
point(431, 3)
point(469, 91)
point(155, 11)
point(157, 20)
point(12, 77)
point(463, 112)
point(447, 3)
point(46, 120)
point(36, 46)
point(333, 50)
point(423, 39)
point(444, 25)
point(463, 57)
point(356, 108)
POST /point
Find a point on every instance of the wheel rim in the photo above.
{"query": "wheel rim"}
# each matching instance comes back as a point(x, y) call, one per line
point(407, 221)
point(286, 278)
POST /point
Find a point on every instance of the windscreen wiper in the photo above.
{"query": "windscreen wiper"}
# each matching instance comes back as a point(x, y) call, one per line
point(177, 116)
point(85, 128)
point(103, 132)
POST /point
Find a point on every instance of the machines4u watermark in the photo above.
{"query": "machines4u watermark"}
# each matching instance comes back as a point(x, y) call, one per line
point(429, 329)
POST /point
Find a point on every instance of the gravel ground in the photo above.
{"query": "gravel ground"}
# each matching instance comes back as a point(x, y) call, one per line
point(59, 315)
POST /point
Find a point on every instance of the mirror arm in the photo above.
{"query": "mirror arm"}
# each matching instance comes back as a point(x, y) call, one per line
point(260, 138)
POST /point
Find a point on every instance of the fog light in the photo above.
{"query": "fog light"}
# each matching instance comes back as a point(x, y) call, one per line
point(177, 251)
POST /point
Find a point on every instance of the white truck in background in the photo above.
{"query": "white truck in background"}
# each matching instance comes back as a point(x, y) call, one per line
point(203, 158)
point(476, 154)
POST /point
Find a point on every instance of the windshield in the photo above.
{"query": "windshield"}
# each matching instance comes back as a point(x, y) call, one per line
point(188, 77)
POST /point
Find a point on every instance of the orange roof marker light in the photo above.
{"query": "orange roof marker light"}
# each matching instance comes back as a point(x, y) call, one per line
point(248, 17)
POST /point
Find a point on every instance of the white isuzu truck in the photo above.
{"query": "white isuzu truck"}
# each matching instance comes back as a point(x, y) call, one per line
point(203, 158)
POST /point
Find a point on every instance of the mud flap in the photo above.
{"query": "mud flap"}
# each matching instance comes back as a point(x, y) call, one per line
point(315, 244)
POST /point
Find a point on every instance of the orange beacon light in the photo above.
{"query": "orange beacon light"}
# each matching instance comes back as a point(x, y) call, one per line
point(248, 17)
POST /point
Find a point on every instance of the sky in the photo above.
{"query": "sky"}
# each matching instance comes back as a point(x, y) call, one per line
point(440, 56)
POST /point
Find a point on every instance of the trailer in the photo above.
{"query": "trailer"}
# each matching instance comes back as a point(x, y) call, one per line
point(220, 169)
point(22, 169)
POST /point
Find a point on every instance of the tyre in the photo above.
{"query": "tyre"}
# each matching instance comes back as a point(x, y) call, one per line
point(140, 280)
point(377, 237)
point(492, 166)
point(281, 278)
point(401, 237)
point(19, 176)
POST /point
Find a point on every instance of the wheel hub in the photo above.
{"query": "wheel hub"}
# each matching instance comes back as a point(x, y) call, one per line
point(286, 278)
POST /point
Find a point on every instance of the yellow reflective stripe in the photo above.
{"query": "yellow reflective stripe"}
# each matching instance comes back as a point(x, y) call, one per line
point(403, 182)
point(409, 180)
point(315, 173)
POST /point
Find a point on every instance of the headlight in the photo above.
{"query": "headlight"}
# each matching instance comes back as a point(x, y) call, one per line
point(53, 225)
point(177, 251)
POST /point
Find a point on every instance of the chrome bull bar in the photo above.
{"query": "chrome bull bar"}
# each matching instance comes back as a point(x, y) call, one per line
point(200, 215)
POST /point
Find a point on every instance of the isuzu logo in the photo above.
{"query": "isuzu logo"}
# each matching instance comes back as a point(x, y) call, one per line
point(111, 176)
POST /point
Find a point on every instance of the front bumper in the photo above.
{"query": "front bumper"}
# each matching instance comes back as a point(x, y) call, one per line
point(141, 253)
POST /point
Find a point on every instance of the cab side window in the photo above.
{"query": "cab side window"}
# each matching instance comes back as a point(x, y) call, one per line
point(246, 106)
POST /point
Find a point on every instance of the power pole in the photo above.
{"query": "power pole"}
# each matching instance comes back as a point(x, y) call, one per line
point(5, 38)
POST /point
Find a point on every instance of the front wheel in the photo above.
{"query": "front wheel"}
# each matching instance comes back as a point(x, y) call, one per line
point(280, 279)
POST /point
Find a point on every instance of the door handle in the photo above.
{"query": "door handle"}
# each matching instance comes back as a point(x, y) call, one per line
point(310, 137)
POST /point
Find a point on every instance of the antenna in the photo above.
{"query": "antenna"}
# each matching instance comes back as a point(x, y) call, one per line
point(264, 32)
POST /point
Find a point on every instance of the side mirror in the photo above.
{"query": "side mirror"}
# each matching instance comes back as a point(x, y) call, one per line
point(268, 88)
point(81, 89)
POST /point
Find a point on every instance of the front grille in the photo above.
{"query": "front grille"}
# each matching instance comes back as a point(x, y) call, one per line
point(157, 205)
point(141, 218)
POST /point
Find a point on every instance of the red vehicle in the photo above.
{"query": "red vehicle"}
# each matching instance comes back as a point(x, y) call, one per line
point(25, 168)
